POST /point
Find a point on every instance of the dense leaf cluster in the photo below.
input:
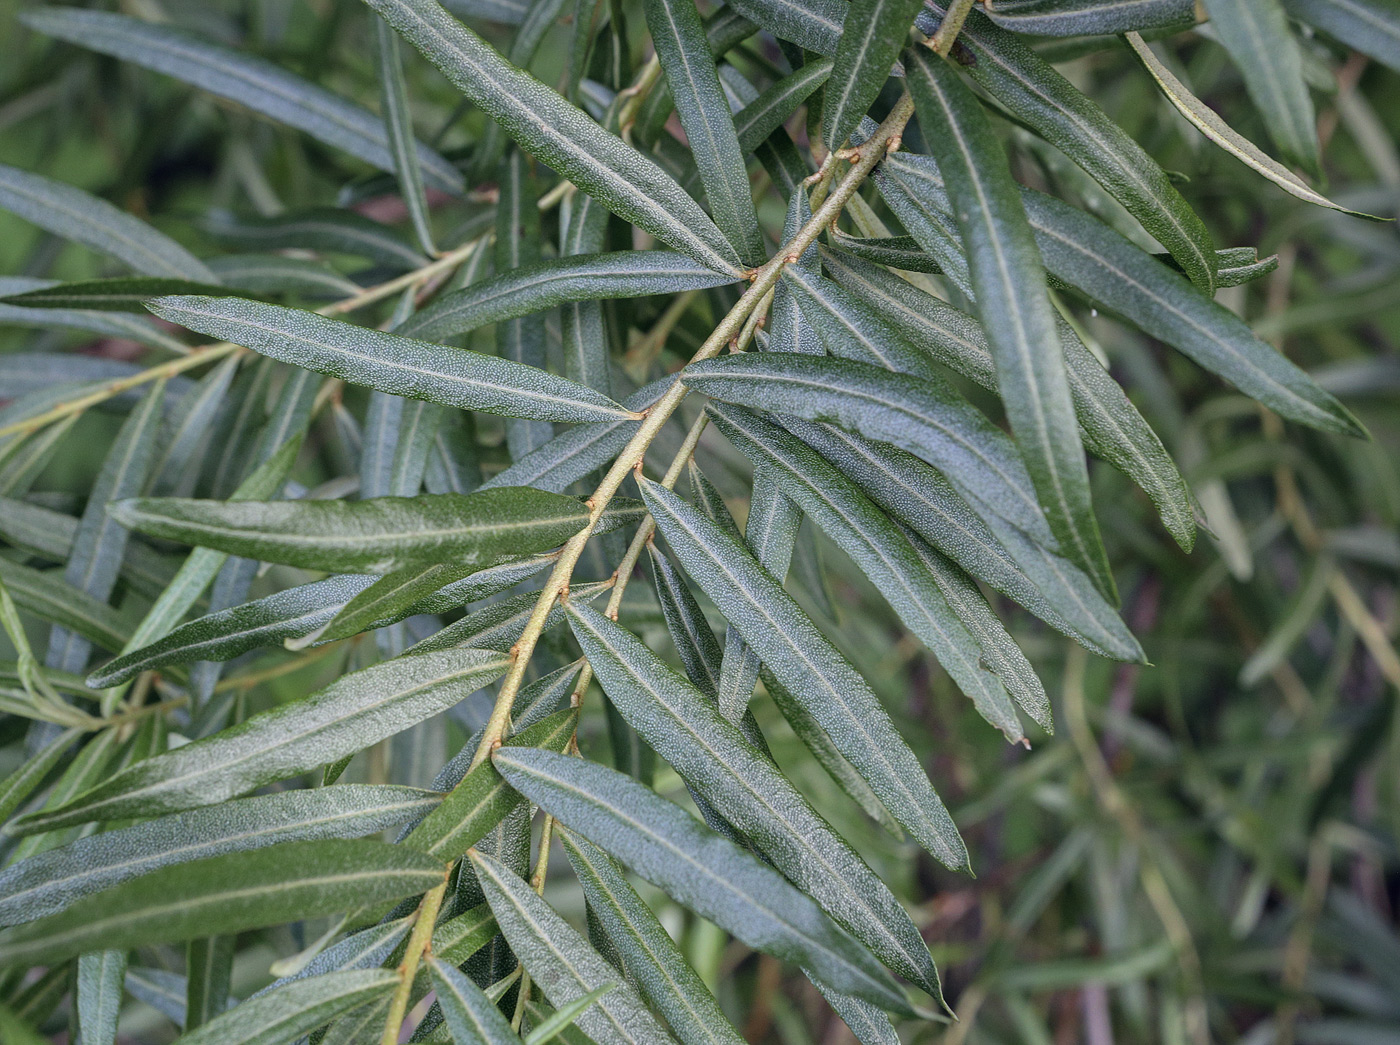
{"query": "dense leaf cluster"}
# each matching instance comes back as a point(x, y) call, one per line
point(316, 648)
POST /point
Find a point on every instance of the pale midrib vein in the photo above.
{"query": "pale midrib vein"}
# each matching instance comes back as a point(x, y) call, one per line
point(58, 203)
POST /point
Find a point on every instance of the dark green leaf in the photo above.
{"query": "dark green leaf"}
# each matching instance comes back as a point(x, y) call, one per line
point(1085, 17)
point(291, 1011)
point(873, 33)
point(108, 295)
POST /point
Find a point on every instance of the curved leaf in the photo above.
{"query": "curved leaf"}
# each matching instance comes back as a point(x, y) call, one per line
point(398, 365)
point(242, 78)
point(351, 713)
point(557, 133)
point(125, 294)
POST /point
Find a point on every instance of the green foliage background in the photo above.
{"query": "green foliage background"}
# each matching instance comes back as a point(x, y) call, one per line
point(1206, 840)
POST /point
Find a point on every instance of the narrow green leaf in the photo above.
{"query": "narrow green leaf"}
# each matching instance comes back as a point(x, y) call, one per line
point(470, 1015)
point(482, 799)
point(1009, 281)
point(457, 939)
point(920, 497)
point(561, 962)
point(57, 878)
point(873, 33)
point(698, 868)
point(812, 24)
point(748, 790)
point(226, 894)
point(650, 957)
point(50, 598)
point(248, 81)
point(1089, 17)
point(372, 536)
point(351, 713)
point(49, 535)
point(772, 108)
point(1257, 35)
point(324, 229)
point(878, 548)
point(390, 597)
point(689, 67)
point(1112, 427)
point(787, 641)
point(1032, 91)
point(127, 294)
point(398, 127)
point(276, 275)
point(294, 1010)
point(926, 417)
point(869, 1025)
point(500, 625)
point(20, 784)
point(1370, 26)
point(101, 975)
point(208, 969)
point(389, 363)
point(561, 1021)
point(83, 218)
point(1205, 120)
point(558, 134)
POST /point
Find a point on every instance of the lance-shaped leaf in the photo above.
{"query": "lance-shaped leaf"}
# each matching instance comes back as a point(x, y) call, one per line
point(751, 793)
point(561, 961)
point(398, 125)
point(391, 597)
point(772, 108)
point(1031, 90)
point(1208, 122)
point(878, 548)
point(126, 294)
point(813, 24)
point(500, 625)
point(49, 534)
point(18, 786)
point(873, 33)
point(804, 660)
point(926, 417)
point(1089, 17)
point(457, 939)
point(83, 218)
point(226, 894)
point(869, 1025)
point(679, 38)
point(390, 363)
point(698, 868)
point(560, 135)
point(252, 82)
point(1044, 583)
point(1370, 26)
point(542, 285)
point(48, 596)
point(101, 976)
point(53, 880)
point(482, 799)
point(470, 1015)
point(1009, 282)
point(324, 229)
point(350, 714)
point(1259, 40)
point(290, 1012)
point(649, 955)
point(372, 536)
point(1112, 427)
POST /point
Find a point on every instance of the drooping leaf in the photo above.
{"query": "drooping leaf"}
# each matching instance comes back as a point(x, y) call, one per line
point(390, 363)
point(57, 878)
point(653, 960)
point(225, 894)
point(372, 536)
point(351, 713)
point(556, 133)
point(1259, 40)
point(242, 78)
point(562, 963)
point(816, 673)
point(1008, 279)
point(748, 790)
point(83, 218)
point(705, 871)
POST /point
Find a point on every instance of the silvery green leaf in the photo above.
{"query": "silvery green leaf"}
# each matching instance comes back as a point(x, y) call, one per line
point(351, 713)
point(698, 868)
point(470, 1015)
point(249, 81)
point(1013, 305)
point(1370, 26)
point(712, 755)
point(787, 641)
point(398, 126)
point(83, 218)
point(277, 275)
point(562, 963)
point(500, 625)
point(101, 978)
point(55, 879)
point(872, 34)
point(49, 597)
point(652, 959)
point(49, 535)
point(208, 976)
point(813, 24)
point(125, 294)
point(390, 363)
point(372, 536)
point(558, 134)
point(1086, 17)
point(294, 1010)
point(324, 229)
point(776, 104)
point(21, 783)
point(225, 894)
